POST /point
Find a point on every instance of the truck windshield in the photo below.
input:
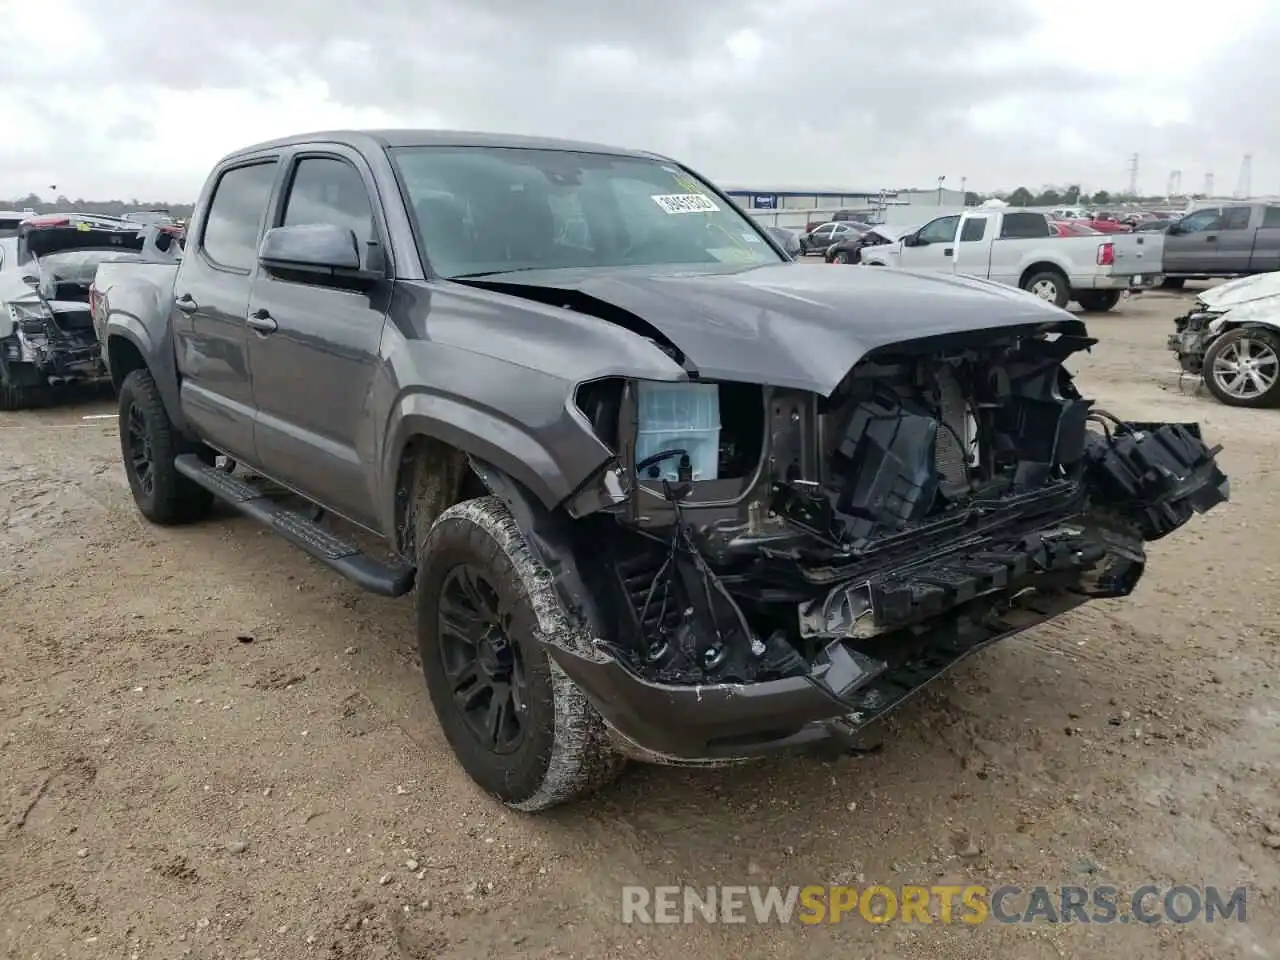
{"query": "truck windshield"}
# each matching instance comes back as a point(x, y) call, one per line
point(485, 210)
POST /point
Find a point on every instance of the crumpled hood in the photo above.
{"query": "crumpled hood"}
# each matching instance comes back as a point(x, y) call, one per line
point(792, 325)
point(1241, 290)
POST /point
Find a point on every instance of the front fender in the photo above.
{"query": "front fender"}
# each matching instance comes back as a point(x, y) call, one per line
point(1257, 313)
point(493, 439)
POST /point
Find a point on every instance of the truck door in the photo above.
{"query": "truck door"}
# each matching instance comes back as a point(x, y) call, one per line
point(1235, 240)
point(1190, 245)
point(1265, 256)
point(211, 301)
point(932, 247)
point(314, 347)
point(973, 247)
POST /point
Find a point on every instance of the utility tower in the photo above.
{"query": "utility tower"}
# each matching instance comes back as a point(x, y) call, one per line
point(1133, 175)
point(1208, 184)
point(1243, 186)
point(1175, 183)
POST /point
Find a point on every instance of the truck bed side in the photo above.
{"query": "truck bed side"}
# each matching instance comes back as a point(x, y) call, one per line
point(131, 304)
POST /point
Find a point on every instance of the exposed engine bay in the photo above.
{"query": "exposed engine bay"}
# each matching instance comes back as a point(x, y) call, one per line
point(761, 532)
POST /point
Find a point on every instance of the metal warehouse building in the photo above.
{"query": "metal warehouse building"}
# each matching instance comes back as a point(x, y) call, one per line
point(791, 206)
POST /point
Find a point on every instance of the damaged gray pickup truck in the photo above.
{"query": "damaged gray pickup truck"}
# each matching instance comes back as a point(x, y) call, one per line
point(660, 491)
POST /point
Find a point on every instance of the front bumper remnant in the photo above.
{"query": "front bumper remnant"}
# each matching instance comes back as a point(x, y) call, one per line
point(855, 686)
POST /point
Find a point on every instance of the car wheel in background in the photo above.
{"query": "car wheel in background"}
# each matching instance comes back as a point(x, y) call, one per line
point(21, 388)
point(1242, 368)
point(1097, 301)
point(1049, 285)
point(842, 256)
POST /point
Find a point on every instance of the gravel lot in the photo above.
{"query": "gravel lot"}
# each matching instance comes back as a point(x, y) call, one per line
point(211, 747)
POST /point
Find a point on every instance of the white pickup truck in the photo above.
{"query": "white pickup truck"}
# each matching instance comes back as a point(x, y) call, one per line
point(1017, 247)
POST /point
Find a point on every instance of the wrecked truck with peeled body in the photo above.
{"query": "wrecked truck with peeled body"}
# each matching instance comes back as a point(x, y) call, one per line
point(660, 492)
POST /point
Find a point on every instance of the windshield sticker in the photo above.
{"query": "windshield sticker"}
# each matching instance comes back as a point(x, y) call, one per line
point(750, 238)
point(686, 182)
point(733, 254)
point(685, 203)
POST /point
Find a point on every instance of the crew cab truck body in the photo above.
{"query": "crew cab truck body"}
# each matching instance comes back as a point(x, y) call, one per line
point(1018, 248)
point(1234, 240)
point(659, 491)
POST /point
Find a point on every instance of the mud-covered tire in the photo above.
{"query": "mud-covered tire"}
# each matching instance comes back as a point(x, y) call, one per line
point(1039, 283)
point(565, 752)
point(168, 498)
point(1258, 341)
point(1097, 301)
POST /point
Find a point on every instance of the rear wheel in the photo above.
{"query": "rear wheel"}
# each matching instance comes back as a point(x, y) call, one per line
point(21, 387)
point(149, 443)
point(1242, 368)
point(842, 256)
point(1049, 285)
point(1097, 301)
point(518, 725)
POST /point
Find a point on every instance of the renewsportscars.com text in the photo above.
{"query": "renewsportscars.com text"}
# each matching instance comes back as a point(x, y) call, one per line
point(972, 904)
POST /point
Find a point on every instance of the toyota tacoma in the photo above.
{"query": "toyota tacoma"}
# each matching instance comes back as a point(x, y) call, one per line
point(659, 491)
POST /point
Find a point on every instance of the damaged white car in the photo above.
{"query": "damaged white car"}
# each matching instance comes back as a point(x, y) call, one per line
point(1231, 338)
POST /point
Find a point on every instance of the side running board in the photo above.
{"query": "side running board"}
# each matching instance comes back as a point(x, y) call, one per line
point(387, 579)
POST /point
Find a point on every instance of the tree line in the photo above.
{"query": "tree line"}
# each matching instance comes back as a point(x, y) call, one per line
point(1069, 197)
point(111, 208)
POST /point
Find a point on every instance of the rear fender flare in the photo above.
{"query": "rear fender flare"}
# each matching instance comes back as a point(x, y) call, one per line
point(158, 359)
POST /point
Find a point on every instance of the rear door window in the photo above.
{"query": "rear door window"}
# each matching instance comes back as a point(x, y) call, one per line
point(973, 229)
point(233, 225)
point(1023, 226)
point(1236, 218)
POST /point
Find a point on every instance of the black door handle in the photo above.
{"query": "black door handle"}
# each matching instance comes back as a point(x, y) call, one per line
point(262, 322)
point(186, 303)
point(949, 251)
point(1211, 239)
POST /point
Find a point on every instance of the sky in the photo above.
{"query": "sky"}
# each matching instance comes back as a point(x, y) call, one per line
point(123, 99)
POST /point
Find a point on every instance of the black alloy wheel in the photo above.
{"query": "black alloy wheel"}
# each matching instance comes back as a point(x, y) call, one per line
point(138, 444)
point(483, 664)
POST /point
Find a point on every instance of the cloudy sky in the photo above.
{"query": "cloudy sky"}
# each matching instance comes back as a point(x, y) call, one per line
point(137, 98)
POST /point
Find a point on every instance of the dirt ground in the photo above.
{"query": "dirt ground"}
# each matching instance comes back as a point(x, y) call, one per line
point(212, 747)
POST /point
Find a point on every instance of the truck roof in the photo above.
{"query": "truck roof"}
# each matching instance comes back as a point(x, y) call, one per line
point(381, 139)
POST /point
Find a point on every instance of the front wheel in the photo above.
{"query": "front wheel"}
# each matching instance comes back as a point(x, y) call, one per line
point(149, 443)
point(1097, 301)
point(518, 725)
point(1049, 285)
point(842, 256)
point(1242, 368)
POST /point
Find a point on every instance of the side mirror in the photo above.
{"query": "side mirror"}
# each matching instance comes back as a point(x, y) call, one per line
point(312, 247)
point(912, 240)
